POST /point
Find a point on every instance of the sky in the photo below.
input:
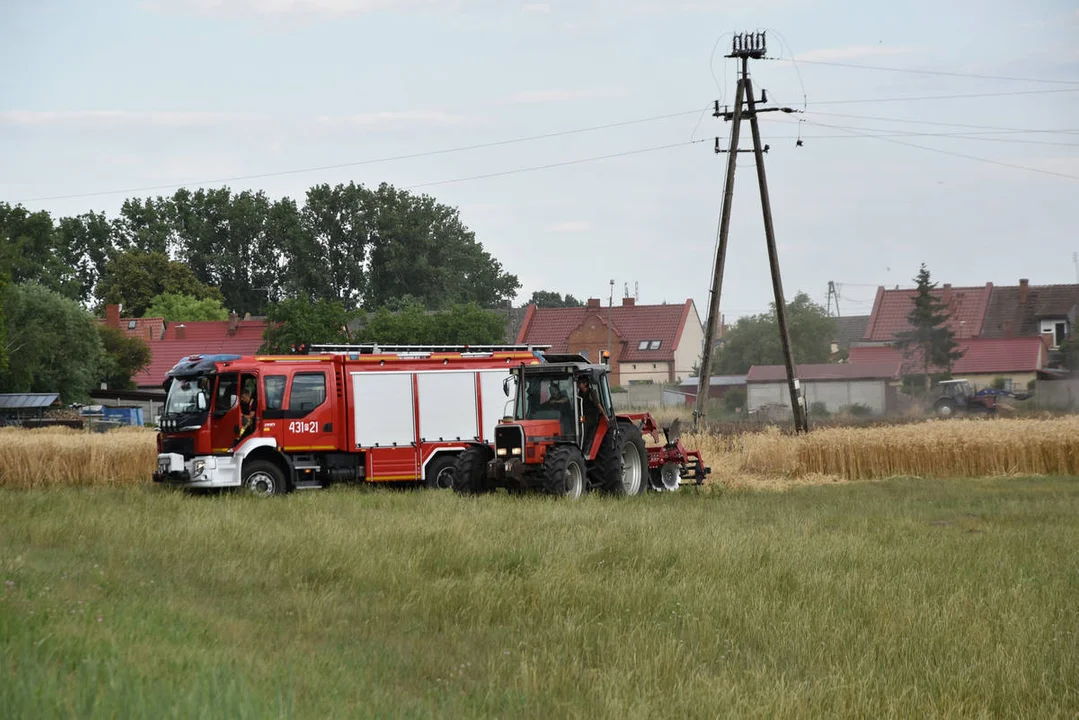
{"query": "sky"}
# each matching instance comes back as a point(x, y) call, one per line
point(943, 133)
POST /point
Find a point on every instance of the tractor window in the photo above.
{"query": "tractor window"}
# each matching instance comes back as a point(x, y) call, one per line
point(547, 398)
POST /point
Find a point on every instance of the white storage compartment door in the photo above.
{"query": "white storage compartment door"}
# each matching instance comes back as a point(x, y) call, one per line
point(495, 402)
point(447, 405)
point(383, 409)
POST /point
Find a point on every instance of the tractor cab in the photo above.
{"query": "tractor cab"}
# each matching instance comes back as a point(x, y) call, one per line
point(564, 401)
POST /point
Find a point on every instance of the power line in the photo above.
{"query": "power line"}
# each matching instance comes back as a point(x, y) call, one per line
point(937, 122)
point(557, 164)
point(946, 97)
point(949, 152)
point(373, 161)
point(980, 135)
point(926, 72)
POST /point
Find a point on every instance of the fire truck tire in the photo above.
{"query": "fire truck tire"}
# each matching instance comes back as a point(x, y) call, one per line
point(564, 472)
point(264, 479)
point(440, 472)
point(470, 472)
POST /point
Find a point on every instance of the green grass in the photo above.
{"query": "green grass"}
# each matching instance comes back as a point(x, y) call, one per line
point(897, 599)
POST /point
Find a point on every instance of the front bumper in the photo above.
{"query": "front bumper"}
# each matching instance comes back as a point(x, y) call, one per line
point(198, 472)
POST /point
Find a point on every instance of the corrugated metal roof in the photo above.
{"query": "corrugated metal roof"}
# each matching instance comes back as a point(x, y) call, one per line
point(827, 371)
point(716, 381)
point(11, 401)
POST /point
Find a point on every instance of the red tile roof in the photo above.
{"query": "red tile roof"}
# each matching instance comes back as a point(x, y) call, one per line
point(891, 307)
point(981, 356)
point(1011, 314)
point(819, 372)
point(146, 329)
point(633, 324)
point(202, 337)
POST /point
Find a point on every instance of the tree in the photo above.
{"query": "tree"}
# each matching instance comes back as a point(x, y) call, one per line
point(134, 278)
point(421, 248)
point(298, 320)
point(53, 343)
point(930, 341)
point(174, 307)
point(548, 299)
point(465, 324)
point(330, 253)
point(124, 356)
point(754, 339)
point(28, 249)
point(84, 243)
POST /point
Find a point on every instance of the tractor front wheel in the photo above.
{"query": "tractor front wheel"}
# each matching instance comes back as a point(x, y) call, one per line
point(470, 472)
point(564, 471)
point(945, 408)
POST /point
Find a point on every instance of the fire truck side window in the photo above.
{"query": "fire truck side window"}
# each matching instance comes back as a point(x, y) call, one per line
point(227, 393)
point(308, 391)
point(274, 391)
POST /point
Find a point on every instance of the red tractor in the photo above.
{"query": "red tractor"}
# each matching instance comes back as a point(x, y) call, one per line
point(564, 438)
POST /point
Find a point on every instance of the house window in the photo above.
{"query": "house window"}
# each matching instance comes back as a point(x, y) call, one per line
point(642, 345)
point(131, 324)
point(654, 345)
point(1058, 327)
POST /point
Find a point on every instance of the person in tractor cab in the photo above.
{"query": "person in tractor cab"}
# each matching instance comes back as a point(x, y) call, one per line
point(592, 408)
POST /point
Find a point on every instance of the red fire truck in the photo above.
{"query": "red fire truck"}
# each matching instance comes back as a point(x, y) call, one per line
point(340, 413)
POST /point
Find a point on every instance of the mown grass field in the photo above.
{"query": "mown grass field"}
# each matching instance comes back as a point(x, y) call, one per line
point(899, 598)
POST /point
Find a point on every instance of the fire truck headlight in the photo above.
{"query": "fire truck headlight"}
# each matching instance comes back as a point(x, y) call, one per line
point(515, 451)
point(501, 452)
point(199, 466)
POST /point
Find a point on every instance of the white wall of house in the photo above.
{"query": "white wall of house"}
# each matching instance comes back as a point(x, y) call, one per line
point(657, 372)
point(690, 345)
point(833, 393)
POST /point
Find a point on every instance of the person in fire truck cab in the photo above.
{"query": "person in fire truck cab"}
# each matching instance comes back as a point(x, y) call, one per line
point(247, 413)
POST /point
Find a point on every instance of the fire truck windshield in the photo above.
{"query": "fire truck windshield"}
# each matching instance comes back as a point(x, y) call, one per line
point(184, 396)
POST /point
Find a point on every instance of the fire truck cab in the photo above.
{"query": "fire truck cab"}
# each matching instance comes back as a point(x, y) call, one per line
point(343, 413)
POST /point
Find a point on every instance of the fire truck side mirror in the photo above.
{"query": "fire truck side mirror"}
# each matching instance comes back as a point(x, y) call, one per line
point(200, 401)
point(506, 385)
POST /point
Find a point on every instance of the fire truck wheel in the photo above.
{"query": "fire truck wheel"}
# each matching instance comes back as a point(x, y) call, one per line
point(440, 472)
point(564, 471)
point(264, 479)
point(470, 472)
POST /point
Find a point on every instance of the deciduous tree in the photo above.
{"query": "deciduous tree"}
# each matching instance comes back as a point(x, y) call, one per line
point(134, 278)
point(174, 307)
point(124, 356)
point(754, 339)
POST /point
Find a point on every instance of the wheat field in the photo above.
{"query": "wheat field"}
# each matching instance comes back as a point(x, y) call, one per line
point(761, 460)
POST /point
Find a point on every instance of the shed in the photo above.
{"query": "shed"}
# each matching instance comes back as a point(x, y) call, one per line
point(836, 385)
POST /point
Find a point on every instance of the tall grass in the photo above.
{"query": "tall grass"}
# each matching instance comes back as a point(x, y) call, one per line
point(934, 448)
point(898, 599)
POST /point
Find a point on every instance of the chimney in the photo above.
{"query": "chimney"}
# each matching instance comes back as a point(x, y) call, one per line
point(593, 302)
point(181, 332)
point(946, 294)
point(112, 316)
point(234, 321)
point(628, 302)
point(1024, 291)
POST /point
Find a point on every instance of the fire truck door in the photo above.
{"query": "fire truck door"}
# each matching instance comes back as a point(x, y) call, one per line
point(226, 413)
point(309, 415)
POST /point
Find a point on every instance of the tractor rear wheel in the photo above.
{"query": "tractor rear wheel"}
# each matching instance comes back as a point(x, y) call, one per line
point(470, 472)
point(564, 471)
point(630, 464)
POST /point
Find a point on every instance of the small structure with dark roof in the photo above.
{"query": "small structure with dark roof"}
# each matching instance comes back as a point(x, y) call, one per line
point(836, 385)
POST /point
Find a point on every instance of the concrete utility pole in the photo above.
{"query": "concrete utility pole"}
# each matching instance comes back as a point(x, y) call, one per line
point(746, 46)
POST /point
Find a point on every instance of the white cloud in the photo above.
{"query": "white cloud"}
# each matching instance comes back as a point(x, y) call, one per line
point(572, 226)
point(536, 8)
point(397, 119)
point(113, 118)
point(286, 7)
point(559, 95)
point(855, 52)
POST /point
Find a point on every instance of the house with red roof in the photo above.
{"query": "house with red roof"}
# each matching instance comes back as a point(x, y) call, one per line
point(1011, 332)
point(872, 384)
point(648, 343)
point(176, 340)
